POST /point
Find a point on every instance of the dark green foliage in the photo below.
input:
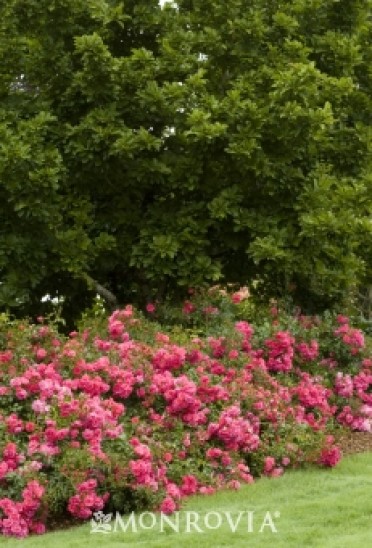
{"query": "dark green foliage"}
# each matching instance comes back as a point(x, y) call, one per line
point(148, 149)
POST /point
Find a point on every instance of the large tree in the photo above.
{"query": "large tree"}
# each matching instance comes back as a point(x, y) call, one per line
point(144, 149)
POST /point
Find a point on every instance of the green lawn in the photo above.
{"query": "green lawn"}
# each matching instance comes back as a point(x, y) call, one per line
point(318, 508)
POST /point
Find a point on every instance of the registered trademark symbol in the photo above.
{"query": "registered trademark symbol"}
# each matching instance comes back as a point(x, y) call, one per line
point(276, 514)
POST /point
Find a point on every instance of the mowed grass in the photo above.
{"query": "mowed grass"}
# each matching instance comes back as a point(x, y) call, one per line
point(318, 508)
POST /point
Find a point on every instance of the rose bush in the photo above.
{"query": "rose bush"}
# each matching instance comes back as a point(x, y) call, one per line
point(125, 414)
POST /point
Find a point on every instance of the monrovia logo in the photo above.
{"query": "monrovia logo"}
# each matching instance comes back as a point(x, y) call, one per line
point(185, 522)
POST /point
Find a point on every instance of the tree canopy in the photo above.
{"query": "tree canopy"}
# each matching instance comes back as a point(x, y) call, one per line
point(146, 148)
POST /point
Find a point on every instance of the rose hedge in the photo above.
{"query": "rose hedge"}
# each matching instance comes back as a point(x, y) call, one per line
point(123, 414)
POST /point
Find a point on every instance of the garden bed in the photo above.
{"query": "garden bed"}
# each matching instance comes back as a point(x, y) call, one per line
point(126, 414)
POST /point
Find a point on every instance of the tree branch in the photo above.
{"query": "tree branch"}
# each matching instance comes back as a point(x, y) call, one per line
point(107, 295)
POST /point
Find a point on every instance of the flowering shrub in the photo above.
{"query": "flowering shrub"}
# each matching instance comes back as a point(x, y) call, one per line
point(125, 415)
